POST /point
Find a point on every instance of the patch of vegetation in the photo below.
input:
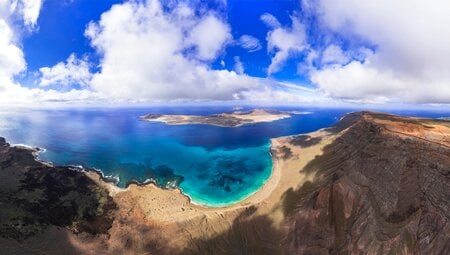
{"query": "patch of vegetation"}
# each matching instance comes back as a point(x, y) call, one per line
point(285, 152)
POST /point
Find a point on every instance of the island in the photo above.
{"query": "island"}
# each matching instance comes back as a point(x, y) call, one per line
point(232, 119)
point(374, 183)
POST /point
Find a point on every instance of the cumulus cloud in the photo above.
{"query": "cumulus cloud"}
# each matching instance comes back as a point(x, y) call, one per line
point(209, 36)
point(250, 43)
point(24, 10)
point(73, 72)
point(283, 42)
point(11, 56)
point(12, 62)
point(333, 54)
point(30, 10)
point(409, 63)
point(146, 54)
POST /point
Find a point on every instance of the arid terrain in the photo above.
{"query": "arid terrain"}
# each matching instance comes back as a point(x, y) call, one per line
point(233, 119)
point(372, 184)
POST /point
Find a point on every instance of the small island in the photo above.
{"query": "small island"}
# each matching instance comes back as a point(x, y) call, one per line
point(233, 119)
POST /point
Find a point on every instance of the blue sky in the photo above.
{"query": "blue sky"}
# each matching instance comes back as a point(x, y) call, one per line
point(62, 25)
point(61, 31)
point(258, 51)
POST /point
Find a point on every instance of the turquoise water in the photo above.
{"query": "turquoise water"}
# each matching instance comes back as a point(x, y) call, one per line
point(215, 166)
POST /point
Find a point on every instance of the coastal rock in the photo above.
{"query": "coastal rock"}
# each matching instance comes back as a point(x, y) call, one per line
point(35, 196)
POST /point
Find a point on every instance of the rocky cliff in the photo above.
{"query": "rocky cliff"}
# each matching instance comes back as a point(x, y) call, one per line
point(382, 187)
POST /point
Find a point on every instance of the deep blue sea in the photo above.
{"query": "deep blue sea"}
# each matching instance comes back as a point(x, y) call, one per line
point(215, 166)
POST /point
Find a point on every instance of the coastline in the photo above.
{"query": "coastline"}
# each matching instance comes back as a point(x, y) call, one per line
point(255, 197)
point(306, 195)
point(110, 180)
point(168, 206)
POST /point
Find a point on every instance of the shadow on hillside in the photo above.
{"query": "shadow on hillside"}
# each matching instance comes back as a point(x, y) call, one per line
point(249, 234)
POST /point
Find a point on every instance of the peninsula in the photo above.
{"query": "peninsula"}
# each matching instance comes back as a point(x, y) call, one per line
point(233, 119)
point(372, 184)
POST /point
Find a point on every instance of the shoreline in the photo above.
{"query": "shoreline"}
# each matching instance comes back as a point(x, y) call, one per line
point(112, 181)
point(255, 197)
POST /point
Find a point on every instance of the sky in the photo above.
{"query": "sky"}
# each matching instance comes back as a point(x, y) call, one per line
point(305, 52)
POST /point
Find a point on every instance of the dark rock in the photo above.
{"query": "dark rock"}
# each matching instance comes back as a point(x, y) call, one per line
point(34, 196)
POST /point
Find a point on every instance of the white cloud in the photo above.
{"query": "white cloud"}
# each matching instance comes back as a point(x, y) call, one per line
point(153, 65)
point(410, 62)
point(333, 54)
point(24, 10)
point(30, 10)
point(11, 56)
point(238, 66)
point(209, 36)
point(12, 62)
point(250, 43)
point(284, 41)
point(146, 55)
point(74, 71)
point(14, 94)
point(270, 20)
point(286, 93)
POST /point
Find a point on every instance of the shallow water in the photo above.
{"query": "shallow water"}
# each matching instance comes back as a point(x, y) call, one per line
point(215, 166)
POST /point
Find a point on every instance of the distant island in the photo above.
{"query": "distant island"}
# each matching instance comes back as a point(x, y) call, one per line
point(233, 119)
point(371, 184)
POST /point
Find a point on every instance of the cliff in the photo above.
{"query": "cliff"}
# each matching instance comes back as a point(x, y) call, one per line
point(382, 187)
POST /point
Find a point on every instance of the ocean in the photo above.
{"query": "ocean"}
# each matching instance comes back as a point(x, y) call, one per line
point(214, 166)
